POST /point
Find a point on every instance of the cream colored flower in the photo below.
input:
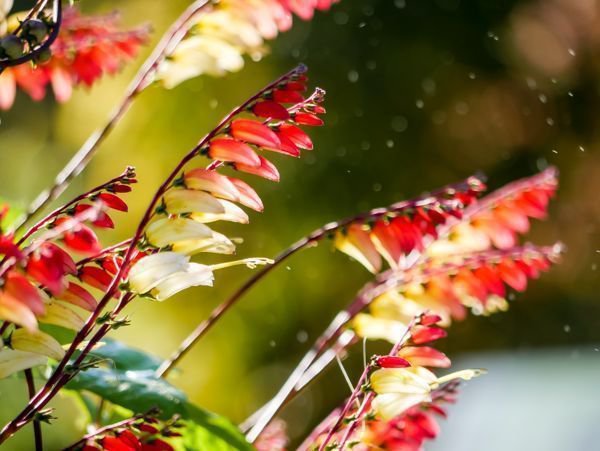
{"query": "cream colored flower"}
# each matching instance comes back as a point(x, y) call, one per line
point(193, 275)
point(179, 201)
point(231, 212)
point(12, 361)
point(398, 389)
point(374, 328)
point(164, 274)
point(151, 270)
point(167, 231)
point(199, 55)
point(36, 342)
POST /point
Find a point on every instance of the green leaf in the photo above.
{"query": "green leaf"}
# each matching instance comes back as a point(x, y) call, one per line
point(126, 358)
point(131, 383)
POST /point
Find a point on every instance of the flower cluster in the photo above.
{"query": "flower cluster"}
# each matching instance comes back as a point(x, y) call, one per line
point(218, 39)
point(85, 49)
point(270, 123)
point(470, 264)
point(400, 396)
point(394, 233)
point(42, 282)
point(143, 433)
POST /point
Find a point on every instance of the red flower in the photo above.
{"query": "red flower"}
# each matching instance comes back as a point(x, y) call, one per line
point(86, 48)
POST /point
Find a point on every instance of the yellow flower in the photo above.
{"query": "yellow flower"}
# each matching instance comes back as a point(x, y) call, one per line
point(167, 231)
point(373, 328)
point(231, 212)
point(12, 361)
point(179, 201)
point(36, 342)
point(164, 274)
point(198, 55)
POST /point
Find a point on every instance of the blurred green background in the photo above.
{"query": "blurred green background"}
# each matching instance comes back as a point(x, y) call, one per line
point(420, 93)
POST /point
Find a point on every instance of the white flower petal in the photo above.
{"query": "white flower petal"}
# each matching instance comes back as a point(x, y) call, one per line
point(194, 275)
point(391, 405)
point(166, 231)
point(178, 201)
point(373, 328)
point(217, 243)
point(150, 270)
point(231, 212)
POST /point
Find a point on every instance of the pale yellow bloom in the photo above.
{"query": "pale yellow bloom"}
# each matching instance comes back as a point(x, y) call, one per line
point(179, 201)
point(216, 244)
point(199, 55)
point(151, 270)
point(231, 212)
point(37, 342)
point(373, 328)
point(12, 361)
point(167, 231)
point(60, 315)
point(398, 389)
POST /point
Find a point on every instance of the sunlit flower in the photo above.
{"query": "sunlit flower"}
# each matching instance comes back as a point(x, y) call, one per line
point(165, 274)
point(86, 48)
point(12, 361)
point(219, 38)
point(374, 328)
point(36, 342)
point(398, 389)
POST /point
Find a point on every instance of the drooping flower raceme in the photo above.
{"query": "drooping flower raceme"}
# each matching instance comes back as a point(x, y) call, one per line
point(219, 39)
point(86, 48)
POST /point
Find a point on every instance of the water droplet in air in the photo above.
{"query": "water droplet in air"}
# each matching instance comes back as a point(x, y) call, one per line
point(353, 76)
point(302, 336)
point(399, 124)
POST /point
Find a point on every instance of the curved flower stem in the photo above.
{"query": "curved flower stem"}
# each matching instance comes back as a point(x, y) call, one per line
point(128, 173)
point(59, 377)
point(37, 427)
point(357, 390)
point(142, 79)
point(371, 290)
point(111, 427)
point(309, 240)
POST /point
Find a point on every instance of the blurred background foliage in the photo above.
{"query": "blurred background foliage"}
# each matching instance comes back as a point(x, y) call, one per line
point(420, 94)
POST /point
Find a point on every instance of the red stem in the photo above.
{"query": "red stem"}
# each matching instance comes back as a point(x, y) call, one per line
point(310, 239)
point(143, 77)
point(57, 379)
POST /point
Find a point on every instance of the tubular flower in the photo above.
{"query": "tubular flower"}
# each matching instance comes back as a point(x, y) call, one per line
point(145, 434)
point(38, 285)
point(164, 274)
point(447, 287)
point(409, 430)
point(498, 219)
point(393, 233)
point(203, 195)
point(86, 48)
point(398, 389)
point(218, 39)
